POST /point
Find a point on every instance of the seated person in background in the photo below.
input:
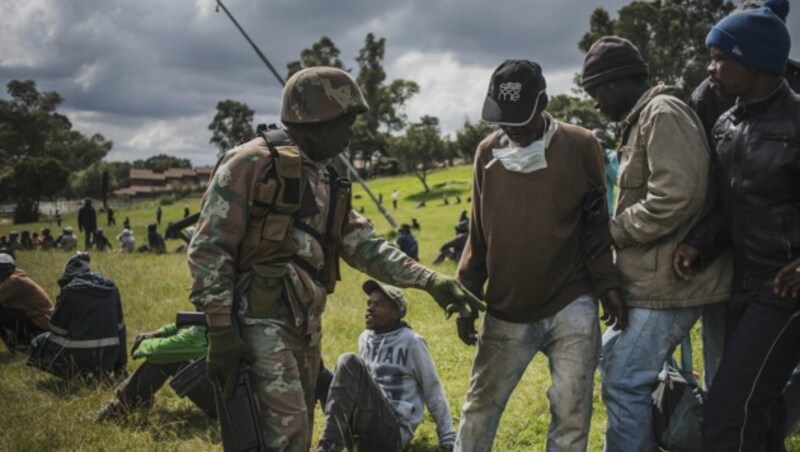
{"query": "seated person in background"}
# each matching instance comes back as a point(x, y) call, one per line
point(48, 241)
point(101, 242)
point(154, 239)
point(407, 242)
point(87, 329)
point(453, 248)
point(127, 240)
point(66, 241)
point(25, 241)
point(36, 240)
point(13, 241)
point(167, 351)
point(415, 224)
point(375, 401)
point(25, 307)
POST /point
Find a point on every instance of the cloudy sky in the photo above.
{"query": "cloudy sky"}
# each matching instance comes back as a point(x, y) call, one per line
point(148, 74)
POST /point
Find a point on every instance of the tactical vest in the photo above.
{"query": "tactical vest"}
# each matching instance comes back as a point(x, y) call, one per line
point(283, 198)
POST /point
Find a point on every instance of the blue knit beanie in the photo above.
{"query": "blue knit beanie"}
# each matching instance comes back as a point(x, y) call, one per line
point(756, 37)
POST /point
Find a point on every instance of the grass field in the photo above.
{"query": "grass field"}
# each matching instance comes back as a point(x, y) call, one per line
point(42, 413)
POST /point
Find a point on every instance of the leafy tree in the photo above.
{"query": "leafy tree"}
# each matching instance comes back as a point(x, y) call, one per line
point(39, 148)
point(576, 110)
point(385, 100)
point(322, 53)
point(120, 173)
point(420, 148)
point(670, 34)
point(232, 124)
point(470, 136)
point(162, 162)
point(89, 182)
point(33, 179)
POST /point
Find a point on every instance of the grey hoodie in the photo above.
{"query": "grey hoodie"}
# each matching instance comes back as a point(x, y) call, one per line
point(402, 366)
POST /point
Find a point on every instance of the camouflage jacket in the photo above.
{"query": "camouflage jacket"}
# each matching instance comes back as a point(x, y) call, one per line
point(216, 250)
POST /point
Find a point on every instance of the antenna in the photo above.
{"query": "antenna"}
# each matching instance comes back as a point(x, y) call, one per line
point(342, 160)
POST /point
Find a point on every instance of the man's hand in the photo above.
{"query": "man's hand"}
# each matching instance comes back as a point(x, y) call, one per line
point(226, 350)
point(452, 296)
point(614, 310)
point(466, 328)
point(683, 259)
point(787, 282)
point(448, 448)
point(141, 337)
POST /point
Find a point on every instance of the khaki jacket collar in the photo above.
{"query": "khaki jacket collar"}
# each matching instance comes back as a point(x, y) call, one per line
point(645, 99)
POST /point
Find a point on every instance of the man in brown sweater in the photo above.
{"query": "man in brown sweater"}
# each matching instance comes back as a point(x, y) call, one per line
point(539, 239)
point(25, 307)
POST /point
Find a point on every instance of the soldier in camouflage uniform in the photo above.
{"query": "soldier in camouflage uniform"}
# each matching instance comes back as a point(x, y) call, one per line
point(236, 252)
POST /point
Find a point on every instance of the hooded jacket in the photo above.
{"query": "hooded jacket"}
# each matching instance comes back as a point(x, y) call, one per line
point(402, 366)
point(87, 330)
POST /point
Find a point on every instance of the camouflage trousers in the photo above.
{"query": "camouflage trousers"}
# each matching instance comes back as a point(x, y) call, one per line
point(283, 376)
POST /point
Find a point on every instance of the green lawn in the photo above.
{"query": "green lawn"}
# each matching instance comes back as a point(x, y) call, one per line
point(43, 413)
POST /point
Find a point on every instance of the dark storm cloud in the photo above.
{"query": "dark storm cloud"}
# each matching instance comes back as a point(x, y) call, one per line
point(148, 74)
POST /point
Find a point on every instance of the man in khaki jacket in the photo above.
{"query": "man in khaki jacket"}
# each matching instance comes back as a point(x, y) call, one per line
point(664, 190)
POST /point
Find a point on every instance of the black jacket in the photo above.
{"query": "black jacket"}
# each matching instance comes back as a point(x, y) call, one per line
point(87, 330)
point(757, 170)
point(709, 105)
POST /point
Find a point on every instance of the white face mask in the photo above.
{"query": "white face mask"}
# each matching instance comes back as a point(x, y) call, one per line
point(521, 159)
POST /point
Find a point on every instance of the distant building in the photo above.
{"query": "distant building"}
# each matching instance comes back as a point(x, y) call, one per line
point(146, 182)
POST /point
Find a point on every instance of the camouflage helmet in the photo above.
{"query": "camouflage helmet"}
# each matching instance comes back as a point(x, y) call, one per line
point(320, 94)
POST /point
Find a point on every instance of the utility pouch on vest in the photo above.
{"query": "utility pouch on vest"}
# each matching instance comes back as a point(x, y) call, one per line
point(341, 193)
point(266, 291)
point(282, 193)
point(277, 197)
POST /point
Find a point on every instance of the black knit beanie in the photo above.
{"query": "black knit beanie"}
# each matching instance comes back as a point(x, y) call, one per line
point(611, 58)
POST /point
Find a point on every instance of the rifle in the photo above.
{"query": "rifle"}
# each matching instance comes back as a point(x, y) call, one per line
point(238, 416)
point(177, 227)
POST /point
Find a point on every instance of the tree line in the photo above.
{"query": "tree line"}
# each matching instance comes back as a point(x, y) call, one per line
point(42, 156)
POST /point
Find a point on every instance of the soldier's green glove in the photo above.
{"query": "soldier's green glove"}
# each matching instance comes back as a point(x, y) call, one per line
point(452, 296)
point(226, 350)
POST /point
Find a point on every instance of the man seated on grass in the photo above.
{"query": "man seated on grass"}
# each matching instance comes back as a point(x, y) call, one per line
point(25, 307)
point(87, 328)
point(167, 350)
point(375, 401)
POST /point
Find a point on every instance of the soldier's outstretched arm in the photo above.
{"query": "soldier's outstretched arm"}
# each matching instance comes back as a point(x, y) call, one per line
point(373, 255)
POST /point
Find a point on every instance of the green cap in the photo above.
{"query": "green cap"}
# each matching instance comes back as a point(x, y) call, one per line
point(393, 293)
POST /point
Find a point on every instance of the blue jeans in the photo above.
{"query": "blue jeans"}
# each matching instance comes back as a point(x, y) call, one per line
point(571, 341)
point(631, 362)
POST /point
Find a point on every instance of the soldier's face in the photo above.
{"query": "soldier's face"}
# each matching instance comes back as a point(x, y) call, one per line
point(382, 313)
point(332, 137)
